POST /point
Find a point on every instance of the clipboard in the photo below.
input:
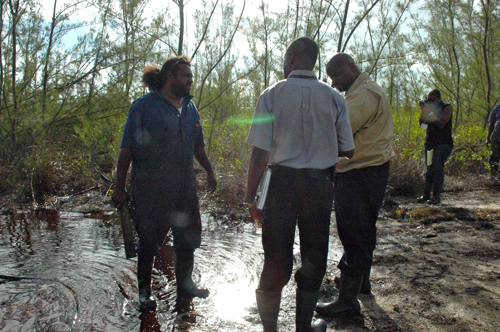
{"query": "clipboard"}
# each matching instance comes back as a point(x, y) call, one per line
point(430, 154)
point(264, 187)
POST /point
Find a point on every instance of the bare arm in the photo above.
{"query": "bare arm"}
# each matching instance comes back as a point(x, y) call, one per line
point(440, 119)
point(258, 163)
point(201, 156)
point(124, 160)
point(491, 127)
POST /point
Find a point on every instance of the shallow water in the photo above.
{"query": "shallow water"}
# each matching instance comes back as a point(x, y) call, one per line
point(76, 277)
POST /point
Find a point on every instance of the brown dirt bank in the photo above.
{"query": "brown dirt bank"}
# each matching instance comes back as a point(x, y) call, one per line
point(435, 268)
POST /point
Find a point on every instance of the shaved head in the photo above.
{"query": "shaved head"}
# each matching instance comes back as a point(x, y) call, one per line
point(342, 70)
point(301, 54)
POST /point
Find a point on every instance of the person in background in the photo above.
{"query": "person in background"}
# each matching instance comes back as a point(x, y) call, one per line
point(493, 138)
point(162, 134)
point(360, 182)
point(437, 116)
point(300, 128)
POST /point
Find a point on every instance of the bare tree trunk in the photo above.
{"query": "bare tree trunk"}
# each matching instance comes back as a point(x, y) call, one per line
point(212, 131)
point(96, 61)
point(2, 91)
point(296, 20)
point(45, 76)
point(203, 81)
point(486, 8)
point(357, 24)
point(180, 3)
point(390, 34)
point(342, 27)
point(266, 51)
point(14, 10)
point(205, 30)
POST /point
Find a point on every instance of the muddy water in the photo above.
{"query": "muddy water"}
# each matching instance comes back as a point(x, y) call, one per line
point(66, 271)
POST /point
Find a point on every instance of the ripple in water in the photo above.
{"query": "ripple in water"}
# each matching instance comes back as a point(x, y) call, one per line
point(82, 281)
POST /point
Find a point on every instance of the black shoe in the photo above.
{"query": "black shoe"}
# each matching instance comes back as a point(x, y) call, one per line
point(434, 201)
point(423, 199)
point(319, 326)
point(146, 302)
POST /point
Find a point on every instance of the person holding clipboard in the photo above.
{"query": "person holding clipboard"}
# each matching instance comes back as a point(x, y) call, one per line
point(300, 128)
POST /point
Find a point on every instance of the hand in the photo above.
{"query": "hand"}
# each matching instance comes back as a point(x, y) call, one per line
point(211, 182)
point(119, 197)
point(254, 213)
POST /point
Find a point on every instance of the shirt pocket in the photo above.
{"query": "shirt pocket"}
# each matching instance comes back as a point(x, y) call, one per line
point(195, 130)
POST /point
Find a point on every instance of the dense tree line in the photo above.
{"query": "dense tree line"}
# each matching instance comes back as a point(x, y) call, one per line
point(75, 95)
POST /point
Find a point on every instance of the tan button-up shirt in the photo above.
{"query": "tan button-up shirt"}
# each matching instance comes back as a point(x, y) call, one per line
point(371, 122)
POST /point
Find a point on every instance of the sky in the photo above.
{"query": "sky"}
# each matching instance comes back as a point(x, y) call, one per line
point(251, 9)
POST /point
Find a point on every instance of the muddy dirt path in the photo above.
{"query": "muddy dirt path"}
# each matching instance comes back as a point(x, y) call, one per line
point(435, 268)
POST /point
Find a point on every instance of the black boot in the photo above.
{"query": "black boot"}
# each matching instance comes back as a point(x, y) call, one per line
point(268, 304)
point(366, 287)
point(427, 188)
point(347, 302)
point(306, 301)
point(436, 197)
point(186, 287)
point(144, 267)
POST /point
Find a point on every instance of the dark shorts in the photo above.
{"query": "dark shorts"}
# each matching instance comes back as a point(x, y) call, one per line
point(156, 215)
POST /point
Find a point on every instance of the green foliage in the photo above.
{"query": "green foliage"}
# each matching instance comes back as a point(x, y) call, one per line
point(406, 166)
point(230, 156)
point(99, 141)
point(228, 148)
point(470, 154)
point(51, 171)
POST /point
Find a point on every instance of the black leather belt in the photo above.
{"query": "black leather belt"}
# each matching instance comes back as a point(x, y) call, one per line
point(306, 171)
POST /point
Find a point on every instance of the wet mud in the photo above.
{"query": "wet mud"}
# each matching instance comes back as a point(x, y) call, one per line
point(64, 269)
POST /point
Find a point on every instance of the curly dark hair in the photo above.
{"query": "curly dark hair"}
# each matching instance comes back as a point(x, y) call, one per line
point(154, 78)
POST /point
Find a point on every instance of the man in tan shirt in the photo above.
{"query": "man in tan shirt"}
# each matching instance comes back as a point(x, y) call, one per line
point(360, 181)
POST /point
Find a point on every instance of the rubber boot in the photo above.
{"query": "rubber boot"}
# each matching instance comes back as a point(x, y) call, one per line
point(427, 188)
point(306, 301)
point(144, 268)
point(436, 199)
point(268, 304)
point(186, 287)
point(366, 287)
point(347, 303)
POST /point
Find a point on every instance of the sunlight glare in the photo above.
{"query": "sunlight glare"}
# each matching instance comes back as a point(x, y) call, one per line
point(233, 300)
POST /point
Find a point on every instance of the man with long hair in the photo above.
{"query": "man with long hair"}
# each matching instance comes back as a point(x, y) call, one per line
point(162, 134)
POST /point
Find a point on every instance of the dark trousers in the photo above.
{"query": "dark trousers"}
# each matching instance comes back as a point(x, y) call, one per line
point(303, 198)
point(494, 158)
point(359, 194)
point(434, 175)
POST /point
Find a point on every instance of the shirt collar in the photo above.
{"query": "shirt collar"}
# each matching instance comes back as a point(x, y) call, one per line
point(302, 72)
point(161, 96)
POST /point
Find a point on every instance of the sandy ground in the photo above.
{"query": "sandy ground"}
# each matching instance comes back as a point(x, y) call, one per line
point(435, 268)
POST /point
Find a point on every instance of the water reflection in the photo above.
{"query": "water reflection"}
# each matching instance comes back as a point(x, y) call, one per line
point(82, 253)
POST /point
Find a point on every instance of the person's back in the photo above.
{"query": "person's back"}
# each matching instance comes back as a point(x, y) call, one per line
point(300, 127)
point(302, 116)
